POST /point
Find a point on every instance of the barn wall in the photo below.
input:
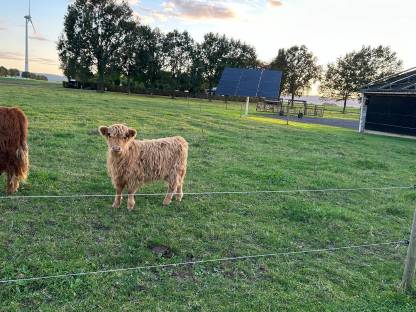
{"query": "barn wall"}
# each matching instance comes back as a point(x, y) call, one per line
point(395, 114)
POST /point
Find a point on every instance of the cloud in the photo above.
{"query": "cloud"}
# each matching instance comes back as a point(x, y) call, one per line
point(196, 9)
point(16, 56)
point(39, 37)
point(130, 2)
point(2, 27)
point(144, 19)
point(275, 3)
point(11, 56)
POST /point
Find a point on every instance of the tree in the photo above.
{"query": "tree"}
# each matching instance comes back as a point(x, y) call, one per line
point(344, 78)
point(151, 55)
point(241, 55)
point(196, 78)
point(95, 31)
point(13, 72)
point(300, 69)
point(75, 61)
point(214, 51)
point(381, 62)
point(128, 55)
point(280, 63)
point(3, 71)
point(218, 52)
point(177, 51)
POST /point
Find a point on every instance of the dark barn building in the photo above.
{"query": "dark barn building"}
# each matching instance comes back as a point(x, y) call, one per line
point(389, 105)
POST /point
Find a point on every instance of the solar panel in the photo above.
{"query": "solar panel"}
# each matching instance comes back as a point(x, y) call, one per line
point(269, 86)
point(250, 83)
point(229, 81)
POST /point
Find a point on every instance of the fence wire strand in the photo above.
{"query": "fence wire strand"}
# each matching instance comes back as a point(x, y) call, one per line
point(195, 262)
point(383, 188)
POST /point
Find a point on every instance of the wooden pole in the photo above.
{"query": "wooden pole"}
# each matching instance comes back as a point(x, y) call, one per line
point(409, 266)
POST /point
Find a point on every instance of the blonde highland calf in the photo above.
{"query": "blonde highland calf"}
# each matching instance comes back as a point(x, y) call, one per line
point(132, 163)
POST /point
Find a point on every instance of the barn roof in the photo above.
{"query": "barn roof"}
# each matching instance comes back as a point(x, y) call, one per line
point(401, 83)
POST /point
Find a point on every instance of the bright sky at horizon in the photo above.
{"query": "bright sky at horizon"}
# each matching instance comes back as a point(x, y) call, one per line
point(329, 28)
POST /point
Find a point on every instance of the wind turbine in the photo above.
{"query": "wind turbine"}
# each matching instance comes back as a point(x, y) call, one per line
point(28, 19)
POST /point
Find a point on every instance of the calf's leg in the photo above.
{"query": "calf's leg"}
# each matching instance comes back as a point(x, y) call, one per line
point(171, 189)
point(179, 192)
point(119, 197)
point(131, 202)
point(179, 189)
point(12, 183)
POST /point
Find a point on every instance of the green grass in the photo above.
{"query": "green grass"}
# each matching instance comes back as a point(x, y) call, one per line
point(335, 111)
point(52, 236)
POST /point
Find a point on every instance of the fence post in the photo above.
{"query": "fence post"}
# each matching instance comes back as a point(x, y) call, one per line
point(363, 115)
point(247, 105)
point(409, 266)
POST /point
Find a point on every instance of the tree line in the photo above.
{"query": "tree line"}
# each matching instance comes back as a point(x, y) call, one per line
point(13, 72)
point(102, 42)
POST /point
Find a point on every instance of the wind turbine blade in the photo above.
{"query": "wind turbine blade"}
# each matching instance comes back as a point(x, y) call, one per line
point(29, 7)
point(33, 26)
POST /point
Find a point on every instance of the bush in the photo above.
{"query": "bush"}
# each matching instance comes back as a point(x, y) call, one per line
point(34, 76)
point(3, 71)
point(13, 72)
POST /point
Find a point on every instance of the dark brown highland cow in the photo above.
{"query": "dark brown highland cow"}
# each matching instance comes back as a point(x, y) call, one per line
point(14, 154)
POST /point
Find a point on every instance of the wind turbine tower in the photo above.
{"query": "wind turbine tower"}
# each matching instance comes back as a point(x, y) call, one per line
point(28, 19)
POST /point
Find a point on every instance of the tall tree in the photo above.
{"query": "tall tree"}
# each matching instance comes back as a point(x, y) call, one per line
point(280, 63)
point(99, 28)
point(218, 52)
point(300, 68)
point(177, 51)
point(214, 51)
point(196, 78)
point(241, 55)
point(150, 56)
point(129, 53)
point(344, 78)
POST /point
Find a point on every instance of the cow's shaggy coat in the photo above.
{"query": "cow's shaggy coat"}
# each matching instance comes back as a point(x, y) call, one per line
point(14, 154)
point(132, 163)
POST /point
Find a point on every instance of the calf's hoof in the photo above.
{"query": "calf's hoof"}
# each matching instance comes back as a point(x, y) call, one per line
point(166, 202)
point(116, 205)
point(11, 189)
point(130, 207)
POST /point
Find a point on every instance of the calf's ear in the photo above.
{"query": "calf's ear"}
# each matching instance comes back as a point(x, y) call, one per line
point(103, 130)
point(132, 133)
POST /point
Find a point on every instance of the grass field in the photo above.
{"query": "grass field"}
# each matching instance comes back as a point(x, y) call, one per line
point(53, 236)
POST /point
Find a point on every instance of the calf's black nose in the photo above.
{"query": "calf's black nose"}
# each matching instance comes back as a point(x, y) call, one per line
point(116, 148)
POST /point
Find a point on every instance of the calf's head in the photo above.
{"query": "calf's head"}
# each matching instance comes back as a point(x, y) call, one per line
point(118, 137)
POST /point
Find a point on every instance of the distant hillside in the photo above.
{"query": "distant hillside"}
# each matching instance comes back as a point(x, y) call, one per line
point(318, 100)
point(53, 78)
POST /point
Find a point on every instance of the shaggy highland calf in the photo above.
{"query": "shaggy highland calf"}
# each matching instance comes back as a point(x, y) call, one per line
point(132, 163)
point(14, 155)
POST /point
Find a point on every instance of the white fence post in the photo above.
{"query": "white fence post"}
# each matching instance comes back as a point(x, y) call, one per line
point(363, 115)
point(409, 266)
point(247, 105)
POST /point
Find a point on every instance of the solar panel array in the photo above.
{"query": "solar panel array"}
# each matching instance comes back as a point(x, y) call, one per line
point(250, 83)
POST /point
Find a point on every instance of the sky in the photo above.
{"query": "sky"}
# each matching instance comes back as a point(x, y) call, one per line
point(329, 28)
